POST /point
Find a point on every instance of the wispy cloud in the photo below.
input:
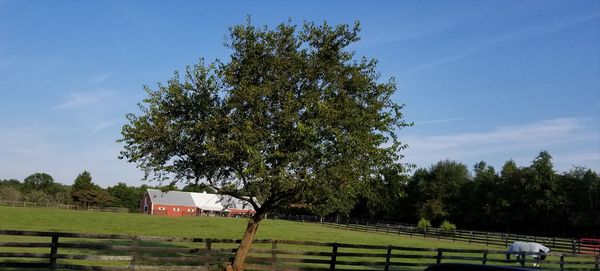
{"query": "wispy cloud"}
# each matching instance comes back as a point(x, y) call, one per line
point(100, 78)
point(76, 100)
point(547, 129)
point(489, 43)
point(562, 25)
point(409, 31)
point(528, 32)
point(503, 143)
point(101, 124)
point(425, 122)
point(24, 140)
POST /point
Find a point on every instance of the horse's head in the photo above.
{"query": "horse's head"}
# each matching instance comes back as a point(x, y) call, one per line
point(543, 256)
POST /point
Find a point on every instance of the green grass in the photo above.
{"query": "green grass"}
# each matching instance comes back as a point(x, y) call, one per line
point(42, 219)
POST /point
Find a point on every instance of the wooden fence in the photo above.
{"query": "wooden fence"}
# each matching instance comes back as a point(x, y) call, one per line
point(63, 206)
point(477, 237)
point(73, 251)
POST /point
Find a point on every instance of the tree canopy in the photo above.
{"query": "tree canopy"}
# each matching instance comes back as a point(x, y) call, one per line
point(84, 191)
point(38, 181)
point(293, 117)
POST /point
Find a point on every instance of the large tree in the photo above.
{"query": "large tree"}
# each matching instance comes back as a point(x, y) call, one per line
point(37, 181)
point(293, 117)
point(85, 192)
point(439, 189)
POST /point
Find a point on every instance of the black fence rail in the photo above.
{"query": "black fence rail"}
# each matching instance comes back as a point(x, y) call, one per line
point(74, 251)
point(477, 237)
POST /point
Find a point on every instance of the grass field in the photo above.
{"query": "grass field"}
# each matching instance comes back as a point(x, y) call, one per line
point(43, 219)
point(48, 219)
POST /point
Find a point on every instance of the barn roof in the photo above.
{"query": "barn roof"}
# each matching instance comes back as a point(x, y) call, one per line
point(204, 201)
point(233, 203)
point(208, 202)
point(171, 197)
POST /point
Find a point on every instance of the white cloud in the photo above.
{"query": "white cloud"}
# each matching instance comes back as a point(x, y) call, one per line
point(100, 78)
point(425, 122)
point(519, 34)
point(506, 142)
point(24, 141)
point(547, 129)
point(27, 149)
point(76, 100)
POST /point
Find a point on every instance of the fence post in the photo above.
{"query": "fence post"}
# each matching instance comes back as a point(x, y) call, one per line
point(522, 254)
point(562, 262)
point(53, 252)
point(274, 251)
point(471, 237)
point(506, 239)
point(439, 256)
point(387, 228)
point(333, 256)
point(597, 265)
point(208, 252)
point(484, 261)
point(135, 244)
point(389, 255)
point(487, 239)
point(573, 245)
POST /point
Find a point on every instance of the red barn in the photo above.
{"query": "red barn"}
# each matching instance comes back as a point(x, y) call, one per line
point(171, 203)
point(177, 203)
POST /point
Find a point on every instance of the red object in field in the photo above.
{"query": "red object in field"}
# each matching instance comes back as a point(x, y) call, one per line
point(589, 245)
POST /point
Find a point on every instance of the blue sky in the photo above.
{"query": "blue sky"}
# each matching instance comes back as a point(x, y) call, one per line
point(482, 80)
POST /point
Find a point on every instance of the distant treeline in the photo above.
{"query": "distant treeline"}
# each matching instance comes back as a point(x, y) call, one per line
point(532, 200)
point(41, 188)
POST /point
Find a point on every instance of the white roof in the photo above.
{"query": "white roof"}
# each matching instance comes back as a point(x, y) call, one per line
point(170, 197)
point(208, 202)
point(204, 201)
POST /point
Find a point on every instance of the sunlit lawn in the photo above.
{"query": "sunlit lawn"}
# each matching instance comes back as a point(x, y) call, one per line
point(43, 219)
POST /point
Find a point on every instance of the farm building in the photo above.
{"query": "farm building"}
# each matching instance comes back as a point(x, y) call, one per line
point(178, 203)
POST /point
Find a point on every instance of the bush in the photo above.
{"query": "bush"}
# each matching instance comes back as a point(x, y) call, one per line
point(423, 224)
point(447, 226)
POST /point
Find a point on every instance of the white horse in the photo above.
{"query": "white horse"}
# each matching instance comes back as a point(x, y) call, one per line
point(519, 247)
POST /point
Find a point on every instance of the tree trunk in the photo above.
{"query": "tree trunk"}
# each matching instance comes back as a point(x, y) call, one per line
point(239, 259)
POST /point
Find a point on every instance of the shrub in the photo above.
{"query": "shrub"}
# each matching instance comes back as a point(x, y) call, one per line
point(447, 226)
point(423, 224)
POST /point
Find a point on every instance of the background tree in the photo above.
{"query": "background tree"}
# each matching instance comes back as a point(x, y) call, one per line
point(10, 190)
point(580, 194)
point(127, 196)
point(37, 181)
point(478, 198)
point(85, 192)
point(439, 189)
point(10, 193)
point(292, 118)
